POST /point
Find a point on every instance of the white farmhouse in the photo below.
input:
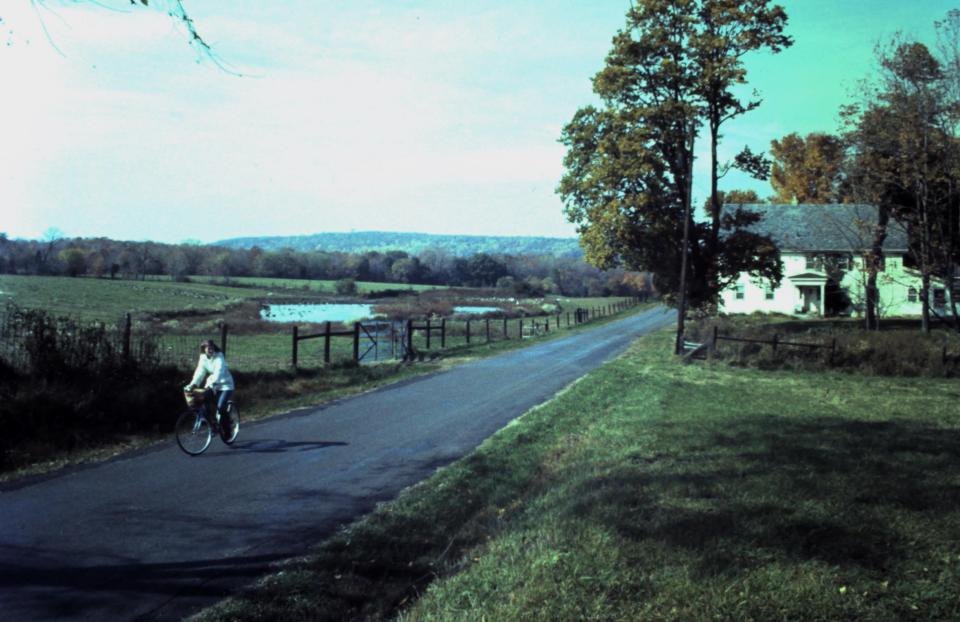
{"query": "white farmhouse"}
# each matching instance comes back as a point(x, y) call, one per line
point(822, 248)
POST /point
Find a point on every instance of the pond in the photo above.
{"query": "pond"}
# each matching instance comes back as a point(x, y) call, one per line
point(338, 312)
point(476, 310)
point(317, 313)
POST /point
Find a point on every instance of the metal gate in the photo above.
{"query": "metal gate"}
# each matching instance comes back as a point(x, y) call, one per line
point(382, 340)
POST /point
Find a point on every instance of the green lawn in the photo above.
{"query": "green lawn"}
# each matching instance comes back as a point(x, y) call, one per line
point(654, 490)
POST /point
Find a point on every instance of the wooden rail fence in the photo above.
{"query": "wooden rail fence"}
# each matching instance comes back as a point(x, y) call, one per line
point(428, 328)
point(774, 343)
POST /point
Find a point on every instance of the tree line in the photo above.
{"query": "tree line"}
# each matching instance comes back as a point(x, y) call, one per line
point(532, 275)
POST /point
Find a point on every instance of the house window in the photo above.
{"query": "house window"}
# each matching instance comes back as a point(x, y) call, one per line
point(740, 291)
point(894, 262)
point(814, 262)
point(912, 294)
point(843, 262)
point(939, 297)
point(768, 292)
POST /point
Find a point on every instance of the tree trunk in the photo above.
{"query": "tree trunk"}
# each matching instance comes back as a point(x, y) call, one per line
point(714, 243)
point(687, 216)
point(876, 260)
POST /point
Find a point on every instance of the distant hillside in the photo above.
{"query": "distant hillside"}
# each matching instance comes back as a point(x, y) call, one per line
point(413, 243)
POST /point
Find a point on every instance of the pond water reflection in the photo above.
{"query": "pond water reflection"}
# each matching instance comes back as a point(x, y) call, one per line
point(337, 312)
point(334, 312)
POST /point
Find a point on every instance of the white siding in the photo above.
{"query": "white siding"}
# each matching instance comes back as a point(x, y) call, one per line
point(894, 284)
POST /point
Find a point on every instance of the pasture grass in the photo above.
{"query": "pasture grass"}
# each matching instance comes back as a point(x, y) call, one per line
point(312, 285)
point(108, 300)
point(656, 490)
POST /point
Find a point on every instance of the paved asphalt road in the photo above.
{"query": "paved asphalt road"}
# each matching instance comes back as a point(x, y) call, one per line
point(156, 534)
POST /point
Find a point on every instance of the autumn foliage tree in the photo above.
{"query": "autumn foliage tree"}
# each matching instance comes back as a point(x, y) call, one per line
point(807, 169)
point(906, 158)
point(628, 185)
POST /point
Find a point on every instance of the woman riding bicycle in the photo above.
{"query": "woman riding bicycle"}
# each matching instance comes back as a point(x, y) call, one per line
point(219, 386)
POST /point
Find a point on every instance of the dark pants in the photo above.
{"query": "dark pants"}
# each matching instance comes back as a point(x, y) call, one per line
point(216, 398)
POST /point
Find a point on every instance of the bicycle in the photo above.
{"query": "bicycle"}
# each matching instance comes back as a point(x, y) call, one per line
point(194, 430)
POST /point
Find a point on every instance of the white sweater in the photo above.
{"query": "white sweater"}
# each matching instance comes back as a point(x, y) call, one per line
point(215, 369)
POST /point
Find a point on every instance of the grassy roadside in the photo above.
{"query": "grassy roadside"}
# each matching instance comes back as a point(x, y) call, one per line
point(661, 491)
point(261, 395)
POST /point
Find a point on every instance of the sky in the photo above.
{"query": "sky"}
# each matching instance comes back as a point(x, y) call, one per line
point(423, 116)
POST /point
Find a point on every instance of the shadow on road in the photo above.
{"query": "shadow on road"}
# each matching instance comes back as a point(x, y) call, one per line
point(92, 588)
point(269, 445)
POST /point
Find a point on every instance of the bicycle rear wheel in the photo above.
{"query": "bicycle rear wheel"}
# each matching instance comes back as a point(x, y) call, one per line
point(230, 424)
point(193, 431)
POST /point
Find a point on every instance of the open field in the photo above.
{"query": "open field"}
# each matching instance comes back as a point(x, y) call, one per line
point(661, 491)
point(107, 300)
point(321, 287)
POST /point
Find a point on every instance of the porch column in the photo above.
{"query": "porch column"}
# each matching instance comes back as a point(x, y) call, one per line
point(823, 300)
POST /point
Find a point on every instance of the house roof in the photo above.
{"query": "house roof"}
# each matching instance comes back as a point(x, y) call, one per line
point(835, 227)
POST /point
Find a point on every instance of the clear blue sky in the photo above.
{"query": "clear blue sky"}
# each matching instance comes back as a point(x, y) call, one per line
point(406, 116)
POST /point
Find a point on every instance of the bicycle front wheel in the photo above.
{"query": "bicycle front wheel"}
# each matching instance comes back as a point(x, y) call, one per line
point(193, 432)
point(230, 424)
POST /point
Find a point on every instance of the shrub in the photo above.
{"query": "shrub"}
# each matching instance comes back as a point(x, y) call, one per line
point(345, 287)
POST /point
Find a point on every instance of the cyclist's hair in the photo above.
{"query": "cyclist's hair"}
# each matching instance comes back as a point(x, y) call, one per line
point(209, 342)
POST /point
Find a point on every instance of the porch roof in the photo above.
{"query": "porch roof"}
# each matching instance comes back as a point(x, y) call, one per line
point(808, 278)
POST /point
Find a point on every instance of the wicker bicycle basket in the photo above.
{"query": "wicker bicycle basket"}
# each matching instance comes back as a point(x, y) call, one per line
point(193, 398)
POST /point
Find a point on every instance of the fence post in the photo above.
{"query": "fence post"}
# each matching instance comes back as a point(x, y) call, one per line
point(488, 330)
point(326, 344)
point(505, 335)
point(568, 319)
point(410, 338)
point(715, 337)
point(356, 341)
point(443, 333)
point(293, 349)
point(776, 338)
point(558, 321)
point(546, 324)
point(428, 334)
point(223, 337)
point(520, 331)
point(126, 337)
point(468, 332)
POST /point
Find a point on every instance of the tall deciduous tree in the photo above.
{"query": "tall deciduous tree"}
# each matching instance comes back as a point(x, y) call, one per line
point(905, 158)
point(807, 170)
point(726, 31)
point(629, 164)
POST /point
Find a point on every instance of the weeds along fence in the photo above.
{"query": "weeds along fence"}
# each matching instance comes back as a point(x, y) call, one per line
point(896, 351)
point(35, 342)
point(776, 342)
